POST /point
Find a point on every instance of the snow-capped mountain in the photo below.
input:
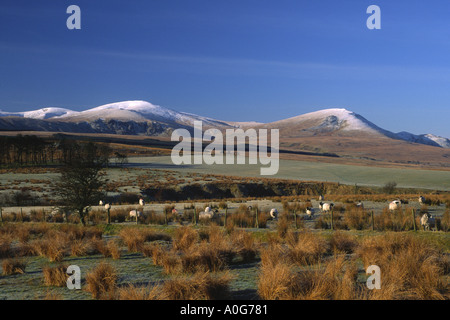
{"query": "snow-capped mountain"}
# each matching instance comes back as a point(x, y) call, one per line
point(143, 118)
point(44, 113)
point(428, 139)
point(332, 120)
point(138, 111)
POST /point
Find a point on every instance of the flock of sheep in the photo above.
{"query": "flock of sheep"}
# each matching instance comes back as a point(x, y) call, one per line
point(426, 220)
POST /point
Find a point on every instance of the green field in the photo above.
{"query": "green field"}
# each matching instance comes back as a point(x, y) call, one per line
point(313, 171)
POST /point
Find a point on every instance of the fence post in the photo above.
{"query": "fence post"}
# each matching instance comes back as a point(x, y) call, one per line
point(21, 214)
point(109, 216)
point(295, 219)
point(414, 219)
point(332, 224)
point(195, 215)
point(225, 221)
point(1, 215)
point(373, 224)
point(257, 222)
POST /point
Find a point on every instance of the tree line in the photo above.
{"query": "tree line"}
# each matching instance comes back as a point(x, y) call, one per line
point(31, 150)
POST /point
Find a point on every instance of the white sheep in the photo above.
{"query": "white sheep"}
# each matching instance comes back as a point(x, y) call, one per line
point(310, 212)
point(421, 200)
point(274, 213)
point(100, 203)
point(107, 206)
point(427, 220)
point(141, 202)
point(207, 214)
point(359, 204)
point(135, 213)
point(321, 198)
point(325, 207)
point(394, 205)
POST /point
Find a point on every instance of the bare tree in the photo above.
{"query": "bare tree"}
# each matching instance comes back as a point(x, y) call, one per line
point(82, 178)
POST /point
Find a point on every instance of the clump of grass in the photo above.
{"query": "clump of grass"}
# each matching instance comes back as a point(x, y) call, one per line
point(133, 292)
point(244, 245)
point(341, 242)
point(5, 246)
point(357, 218)
point(411, 267)
point(445, 221)
point(109, 249)
point(135, 238)
point(13, 266)
point(306, 247)
point(53, 249)
point(79, 248)
point(336, 279)
point(201, 286)
point(184, 238)
point(55, 276)
point(102, 281)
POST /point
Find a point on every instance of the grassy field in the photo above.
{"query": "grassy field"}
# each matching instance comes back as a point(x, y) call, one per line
point(211, 262)
point(281, 259)
point(313, 171)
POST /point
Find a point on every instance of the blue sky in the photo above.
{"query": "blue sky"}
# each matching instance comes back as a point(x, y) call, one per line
point(233, 60)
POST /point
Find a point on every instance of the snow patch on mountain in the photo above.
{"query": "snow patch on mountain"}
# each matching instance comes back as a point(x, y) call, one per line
point(44, 113)
point(428, 139)
point(146, 118)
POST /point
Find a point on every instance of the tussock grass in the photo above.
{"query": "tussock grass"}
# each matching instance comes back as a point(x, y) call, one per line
point(133, 292)
point(13, 266)
point(201, 286)
point(135, 238)
point(102, 281)
point(412, 268)
point(55, 276)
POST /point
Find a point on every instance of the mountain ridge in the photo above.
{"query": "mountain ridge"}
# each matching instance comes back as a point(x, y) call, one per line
point(143, 118)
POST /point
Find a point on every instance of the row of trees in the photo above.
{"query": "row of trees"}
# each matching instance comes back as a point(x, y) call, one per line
point(31, 150)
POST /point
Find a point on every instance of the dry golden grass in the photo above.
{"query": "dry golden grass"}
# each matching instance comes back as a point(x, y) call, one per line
point(341, 242)
point(55, 276)
point(5, 246)
point(135, 238)
point(245, 245)
point(132, 292)
point(185, 238)
point(411, 268)
point(109, 249)
point(13, 266)
point(101, 281)
point(306, 247)
point(53, 249)
point(201, 286)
